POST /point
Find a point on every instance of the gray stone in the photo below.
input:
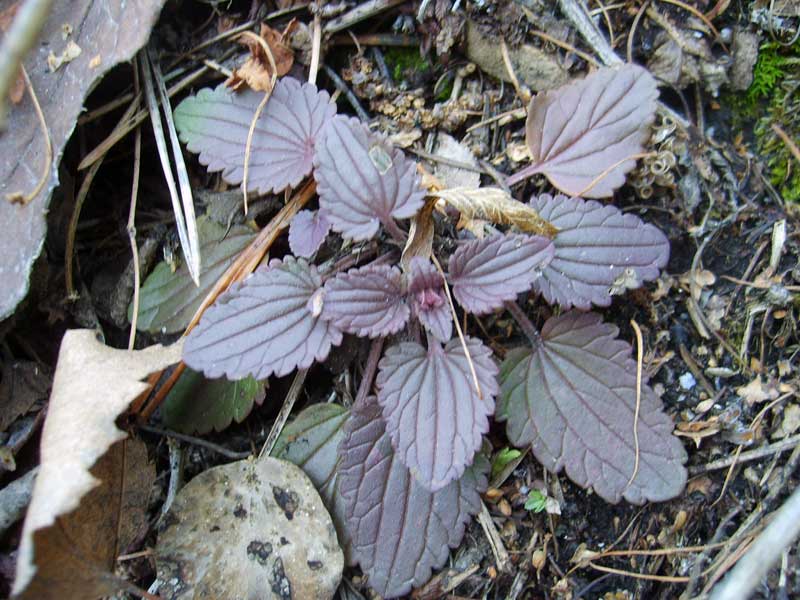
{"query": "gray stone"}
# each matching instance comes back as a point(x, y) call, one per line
point(253, 529)
point(534, 68)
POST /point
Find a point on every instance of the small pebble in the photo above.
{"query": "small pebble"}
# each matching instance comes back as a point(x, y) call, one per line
point(687, 381)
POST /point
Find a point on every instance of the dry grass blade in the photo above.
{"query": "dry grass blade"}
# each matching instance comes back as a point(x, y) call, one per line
point(18, 197)
point(184, 216)
point(497, 206)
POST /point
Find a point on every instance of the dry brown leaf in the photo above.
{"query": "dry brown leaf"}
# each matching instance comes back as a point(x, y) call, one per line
point(497, 206)
point(420, 236)
point(256, 71)
point(698, 430)
point(84, 493)
point(113, 29)
point(22, 384)
point(756, 391)
point(790, 422)
point(18, 89)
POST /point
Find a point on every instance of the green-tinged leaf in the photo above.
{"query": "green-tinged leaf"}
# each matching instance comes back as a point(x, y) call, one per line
point(311, 442)
point(198, 405)
point(169, 300)
point(573, 399)
point(536, 501)
point(502, 459)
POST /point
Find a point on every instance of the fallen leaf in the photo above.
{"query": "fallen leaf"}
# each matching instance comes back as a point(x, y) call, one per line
point(256, 71)
point(790, 423)
point(83, 492)
point(756, 391)
point(115, 30)
point(22, 384)
point(497, 206)
point(697, 431)
point(420, 236)
point(249, 529)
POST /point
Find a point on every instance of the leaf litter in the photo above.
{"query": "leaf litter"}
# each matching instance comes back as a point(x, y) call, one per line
point(624, 252)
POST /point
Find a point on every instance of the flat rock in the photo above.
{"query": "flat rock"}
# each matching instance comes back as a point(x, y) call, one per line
point(534, 68)
point(247, 530)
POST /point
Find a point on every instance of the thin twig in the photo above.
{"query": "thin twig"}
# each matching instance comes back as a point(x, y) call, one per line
point(273, 78)
point(351, 97)
point(221, 450)
point(565, 46)
point(286, 410)
point(19, 197)
point(458, 327)
point(743, 457)
point(579, 16)
point(510, 71)
point(18, 40)
point(375, 350)
point(763, 553)
point(131, 226)
point(639, 361)
point(72, 230)
point(632, 32)
point(316, 48)
point(662, 578)
point(495, 541)
point(363, 11)
point(787, 140)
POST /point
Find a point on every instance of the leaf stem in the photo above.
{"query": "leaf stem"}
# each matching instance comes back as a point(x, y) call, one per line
point(375, 351)
point(522, 175)
point(528, 328)
point(394, 230)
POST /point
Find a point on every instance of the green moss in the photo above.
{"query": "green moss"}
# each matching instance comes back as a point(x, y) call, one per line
point(405, 61)
point(774, 98)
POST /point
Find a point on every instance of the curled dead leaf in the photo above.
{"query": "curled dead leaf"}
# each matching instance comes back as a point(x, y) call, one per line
point(420, 236)
point(256, 71)
point(497, 206)
point(79, 500)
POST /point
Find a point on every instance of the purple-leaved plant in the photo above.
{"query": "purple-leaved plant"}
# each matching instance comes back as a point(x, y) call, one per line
point(408, 456)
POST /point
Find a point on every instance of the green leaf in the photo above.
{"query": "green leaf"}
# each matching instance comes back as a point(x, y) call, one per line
point(311, 442)
point(198, 405)
point(169, 300)
point(536, 501)
point(502, 459)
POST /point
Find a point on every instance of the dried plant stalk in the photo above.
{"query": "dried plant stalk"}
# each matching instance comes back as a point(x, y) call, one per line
point(497, 206)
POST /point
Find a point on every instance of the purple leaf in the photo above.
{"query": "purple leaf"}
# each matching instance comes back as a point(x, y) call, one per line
point(428, 300)
point(399, 530)
point(433, 414)
point(367, 302)
point(573, 399)
point(263, 325)
point(485, 273)
point(581, 130)
point(215, 124)
point(596, 246)
point(362, 181)
point(307, 231)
